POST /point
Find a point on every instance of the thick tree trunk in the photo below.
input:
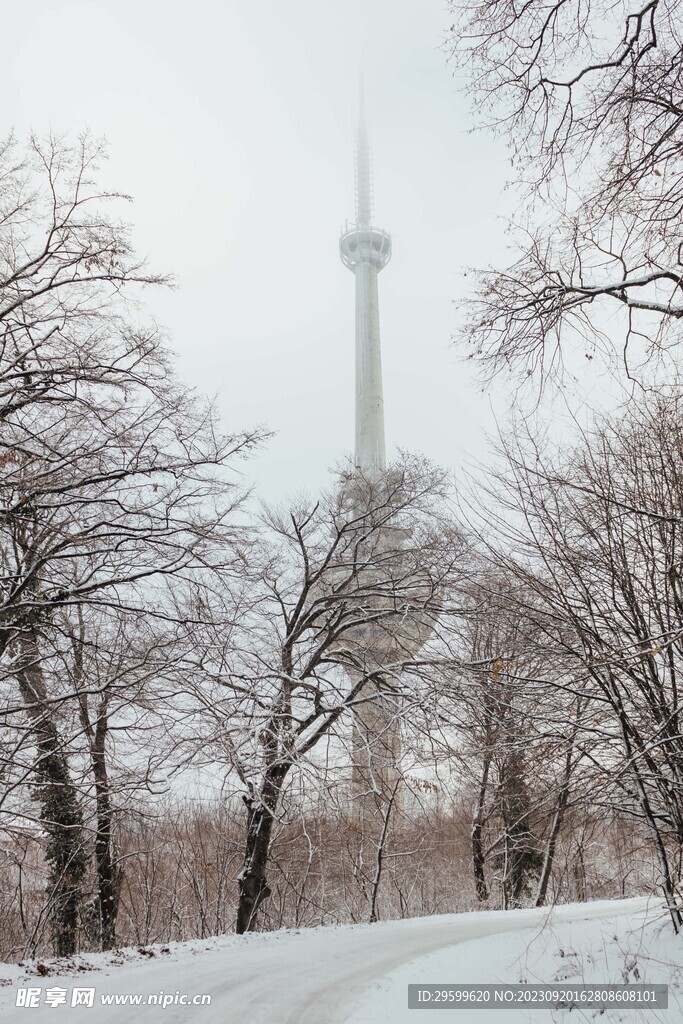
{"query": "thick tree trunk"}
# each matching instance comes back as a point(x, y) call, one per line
point(60, 809)
point(108, 881)
point(105, 854)
point(252, 883)
point(522, 859)
point(478, 856)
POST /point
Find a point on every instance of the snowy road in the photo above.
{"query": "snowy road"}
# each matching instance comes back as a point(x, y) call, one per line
point(316, 976)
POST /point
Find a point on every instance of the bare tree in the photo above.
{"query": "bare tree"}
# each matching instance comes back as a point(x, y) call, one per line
point(508, 735)
point(113, 474)
point(595, 535)
point(122, 673)
point(588, 95)
point(327, 584)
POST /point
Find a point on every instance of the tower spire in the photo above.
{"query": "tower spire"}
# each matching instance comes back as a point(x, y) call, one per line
point(363, 163)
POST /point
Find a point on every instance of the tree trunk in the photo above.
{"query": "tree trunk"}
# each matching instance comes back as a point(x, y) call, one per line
point(380, 855)
point(108, 881)
point(478, 856)
point(105, 855)
point(60, 809)
point(666, 880)
point(560, 808)
point(549, 857)
point(580, 876)
point(253, 887)
point(522, 859)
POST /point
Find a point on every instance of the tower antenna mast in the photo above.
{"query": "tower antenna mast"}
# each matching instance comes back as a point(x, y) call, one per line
point(363, 163)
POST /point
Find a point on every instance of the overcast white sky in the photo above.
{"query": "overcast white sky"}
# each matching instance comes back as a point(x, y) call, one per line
point(231, 123)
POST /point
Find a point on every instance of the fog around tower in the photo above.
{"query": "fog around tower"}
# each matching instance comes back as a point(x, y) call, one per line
point(232, 126)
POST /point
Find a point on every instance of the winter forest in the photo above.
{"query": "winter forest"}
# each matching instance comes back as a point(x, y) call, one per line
point(411, 693)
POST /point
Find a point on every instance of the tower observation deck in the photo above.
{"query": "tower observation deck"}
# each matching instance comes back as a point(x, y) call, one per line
point(365, 250)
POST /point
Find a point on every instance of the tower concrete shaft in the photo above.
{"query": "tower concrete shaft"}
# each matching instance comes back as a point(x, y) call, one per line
point(370, 444)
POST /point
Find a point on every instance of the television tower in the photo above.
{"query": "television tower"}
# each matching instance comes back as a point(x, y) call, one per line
point(366, 250)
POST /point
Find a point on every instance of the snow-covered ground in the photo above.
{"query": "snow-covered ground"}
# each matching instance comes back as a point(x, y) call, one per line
point(632, 948)
point(359, 974)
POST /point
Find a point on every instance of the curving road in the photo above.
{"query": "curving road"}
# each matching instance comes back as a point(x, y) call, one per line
point(314, 976)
